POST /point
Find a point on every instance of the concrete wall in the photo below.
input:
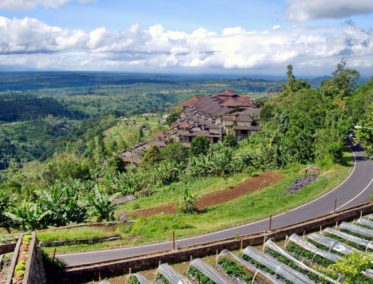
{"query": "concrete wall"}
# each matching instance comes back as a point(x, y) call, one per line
point(109, 269)
point(35, 273)
point(12, 268)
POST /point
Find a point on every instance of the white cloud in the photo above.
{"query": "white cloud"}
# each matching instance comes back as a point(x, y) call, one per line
point(28, 4)
point(31, 43)
point(302, 10)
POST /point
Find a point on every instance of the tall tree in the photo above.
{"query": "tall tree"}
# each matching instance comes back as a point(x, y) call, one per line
point(342, 84)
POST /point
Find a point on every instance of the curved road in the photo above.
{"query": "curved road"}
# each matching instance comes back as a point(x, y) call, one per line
point(355, 190)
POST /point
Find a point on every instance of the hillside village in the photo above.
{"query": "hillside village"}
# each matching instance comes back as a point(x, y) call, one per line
point(213, 117)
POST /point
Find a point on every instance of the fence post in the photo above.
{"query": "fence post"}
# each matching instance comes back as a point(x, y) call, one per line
point(173, 240)
point(270, 223)
point(54, 254)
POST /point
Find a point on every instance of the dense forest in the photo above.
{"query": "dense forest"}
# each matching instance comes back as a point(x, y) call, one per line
point(301, 124)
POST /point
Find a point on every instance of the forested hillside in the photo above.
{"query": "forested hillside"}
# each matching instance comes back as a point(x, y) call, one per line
point(41, 113)
point(301, 125)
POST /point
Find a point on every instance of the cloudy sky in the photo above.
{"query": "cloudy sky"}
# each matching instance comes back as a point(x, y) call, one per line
point(220, 36)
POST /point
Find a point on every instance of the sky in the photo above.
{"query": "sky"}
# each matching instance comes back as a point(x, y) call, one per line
point(187, 36)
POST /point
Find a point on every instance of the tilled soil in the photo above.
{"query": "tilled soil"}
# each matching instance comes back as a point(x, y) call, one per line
point(250, 185)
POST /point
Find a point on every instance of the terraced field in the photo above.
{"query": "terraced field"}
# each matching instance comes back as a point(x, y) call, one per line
point(300, 259)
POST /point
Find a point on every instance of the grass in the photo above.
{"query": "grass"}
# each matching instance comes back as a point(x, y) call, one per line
point(174, 192)
point(251, 207)
point(73, 234)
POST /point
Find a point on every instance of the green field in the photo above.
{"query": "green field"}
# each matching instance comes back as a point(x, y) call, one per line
point(251, 207)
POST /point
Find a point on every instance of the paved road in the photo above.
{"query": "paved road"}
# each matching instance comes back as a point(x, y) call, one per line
point(355, 190)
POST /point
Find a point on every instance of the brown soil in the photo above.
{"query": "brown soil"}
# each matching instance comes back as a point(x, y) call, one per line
point(214, 198)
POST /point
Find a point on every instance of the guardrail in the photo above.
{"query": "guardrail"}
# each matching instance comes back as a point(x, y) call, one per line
point(78, 274)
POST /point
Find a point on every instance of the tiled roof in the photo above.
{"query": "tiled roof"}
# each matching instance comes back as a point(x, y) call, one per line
point(191, 102)
point(238, 102)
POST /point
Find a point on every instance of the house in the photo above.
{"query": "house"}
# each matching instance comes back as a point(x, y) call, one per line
point(213, 117)
point(216, 116)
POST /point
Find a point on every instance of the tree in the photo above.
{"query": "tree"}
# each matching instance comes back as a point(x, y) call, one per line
point(342, 84)
point(199, 146)
point(230, 141)
point(173, 116)
point(365, 134)
point(102, 204)
point(151, 157)
point(175, 152)
point(293, 84)
point(7, 151)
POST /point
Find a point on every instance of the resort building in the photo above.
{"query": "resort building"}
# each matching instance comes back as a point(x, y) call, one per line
point(213, 117)
point(216, 116)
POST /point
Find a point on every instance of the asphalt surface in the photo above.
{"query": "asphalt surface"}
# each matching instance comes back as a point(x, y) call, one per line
point(355, 190)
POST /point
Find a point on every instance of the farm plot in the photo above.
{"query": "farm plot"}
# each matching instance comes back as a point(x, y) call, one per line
point(314, 258)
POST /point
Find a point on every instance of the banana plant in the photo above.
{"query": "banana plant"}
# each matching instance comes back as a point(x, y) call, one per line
point(101, 203)
point(62, 204)
point(28, 216)
point(4, 206)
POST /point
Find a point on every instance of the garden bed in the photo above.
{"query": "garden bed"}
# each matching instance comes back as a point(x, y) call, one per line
point(234, 270)
point(353, 241)
point(20, 259)
point(310, 257)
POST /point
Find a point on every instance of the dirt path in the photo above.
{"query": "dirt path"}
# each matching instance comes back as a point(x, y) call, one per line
point(250, 185)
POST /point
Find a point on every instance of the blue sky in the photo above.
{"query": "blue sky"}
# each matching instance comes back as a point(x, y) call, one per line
point(186, 35)
point(184, 15)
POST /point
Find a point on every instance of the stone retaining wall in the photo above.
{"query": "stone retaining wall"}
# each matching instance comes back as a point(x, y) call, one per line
point(120, 267)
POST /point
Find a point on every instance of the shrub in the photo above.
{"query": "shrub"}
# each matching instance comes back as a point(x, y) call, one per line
point(352, 266)
point(217, 162)
point(188, 205)
point(102, 204)
point(151, 157)
point(167, 172)
point(174, 152)
point(230, 141)
point(199, 146)
point(4, 206)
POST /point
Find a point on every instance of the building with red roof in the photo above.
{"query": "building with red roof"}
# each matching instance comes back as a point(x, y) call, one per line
point(216, 116)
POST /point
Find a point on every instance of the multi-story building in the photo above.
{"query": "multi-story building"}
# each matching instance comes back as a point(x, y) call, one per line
point(216, 116)
point(213, 117)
